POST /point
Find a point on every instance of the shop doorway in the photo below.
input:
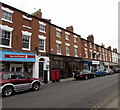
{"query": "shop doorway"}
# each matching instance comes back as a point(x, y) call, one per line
point(41, 66)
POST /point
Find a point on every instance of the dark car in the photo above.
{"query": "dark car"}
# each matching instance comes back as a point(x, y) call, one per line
point(109, 71)
point(17, 81)
point(84, 74)
point(100, 72)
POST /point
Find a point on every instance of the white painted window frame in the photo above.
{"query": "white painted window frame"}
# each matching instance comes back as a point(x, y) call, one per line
point(10, 29)
point(43, 38)
point(27, 34)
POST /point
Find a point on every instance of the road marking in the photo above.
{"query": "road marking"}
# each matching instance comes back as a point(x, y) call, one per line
point(104, 101)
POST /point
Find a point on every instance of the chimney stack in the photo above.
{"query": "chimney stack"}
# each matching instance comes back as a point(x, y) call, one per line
point(115, 50)
point(70, 28)
point(90, 38)
point(109, 48)
point(38, 13)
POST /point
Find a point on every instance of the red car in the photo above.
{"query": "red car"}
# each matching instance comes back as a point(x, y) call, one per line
point(17, 81)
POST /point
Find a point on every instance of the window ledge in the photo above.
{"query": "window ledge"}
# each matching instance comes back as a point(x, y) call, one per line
point(6, 20)
point(67, 54)
point(58, 36)
point(42, 51)
point(42, 31)
point(76, 55)
point(59, 53)
point(5, 46)
point(26, 49)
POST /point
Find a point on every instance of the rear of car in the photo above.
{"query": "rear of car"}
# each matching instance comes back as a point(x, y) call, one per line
point(109, 71)
point(84, 74)
point(100, 72)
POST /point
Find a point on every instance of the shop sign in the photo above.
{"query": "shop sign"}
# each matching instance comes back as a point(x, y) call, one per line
point(95, 62)
point(19, 56)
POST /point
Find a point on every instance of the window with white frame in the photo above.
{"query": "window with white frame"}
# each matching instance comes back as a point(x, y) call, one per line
point(90, 44)
point(75, 39)
point(103, 49)
point(58, 48)
point(85, 43)
point(106, 57)
point(42, 27)
point(91, 54)
point(76, 51)
point(7, 14)
point(99, 48)
point(67, 50)
point(26, 39)
point(86, 53)
point(42, 41)
point(58, 33)
point(5, 36)
point(26, 42)
point(67, 37)
point(41, 44)
point(94, 47)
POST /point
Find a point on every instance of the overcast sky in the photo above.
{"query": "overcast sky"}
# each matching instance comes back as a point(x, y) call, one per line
point(97, 17)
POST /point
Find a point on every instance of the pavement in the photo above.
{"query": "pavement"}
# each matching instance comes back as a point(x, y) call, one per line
point(61, 80)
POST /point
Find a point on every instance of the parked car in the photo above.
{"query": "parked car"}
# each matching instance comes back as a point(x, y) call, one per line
point(109, 71)
point(100, 72)
point(116, 70)
point(17, 81)
point(84, 74)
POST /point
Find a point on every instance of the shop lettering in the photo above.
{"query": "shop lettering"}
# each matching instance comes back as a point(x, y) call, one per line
point(19, 56)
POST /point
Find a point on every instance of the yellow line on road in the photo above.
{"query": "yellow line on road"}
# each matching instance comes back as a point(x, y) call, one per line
point(104, 101)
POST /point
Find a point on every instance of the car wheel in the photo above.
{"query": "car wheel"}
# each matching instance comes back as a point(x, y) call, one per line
point(7, 91)
point(36, 86)
point(86, 77)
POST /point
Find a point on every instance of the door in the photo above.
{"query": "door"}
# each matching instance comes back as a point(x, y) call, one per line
point(41, 70)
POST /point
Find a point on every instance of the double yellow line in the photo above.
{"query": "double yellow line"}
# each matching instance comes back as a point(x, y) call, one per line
point(105, 101)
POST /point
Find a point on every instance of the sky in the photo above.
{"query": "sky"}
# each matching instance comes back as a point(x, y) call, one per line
point(97, 17)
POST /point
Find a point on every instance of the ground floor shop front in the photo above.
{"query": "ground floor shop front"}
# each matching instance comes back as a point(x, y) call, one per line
point(67, 65)
point(30, 63)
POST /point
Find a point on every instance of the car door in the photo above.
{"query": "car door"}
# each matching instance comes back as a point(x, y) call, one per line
point(23, 83)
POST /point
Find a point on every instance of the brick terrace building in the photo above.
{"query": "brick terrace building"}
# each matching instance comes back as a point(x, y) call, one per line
point(32, 44)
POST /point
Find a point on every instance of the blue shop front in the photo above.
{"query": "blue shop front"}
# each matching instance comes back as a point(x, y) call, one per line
point(86, 64)
point(17, 61)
